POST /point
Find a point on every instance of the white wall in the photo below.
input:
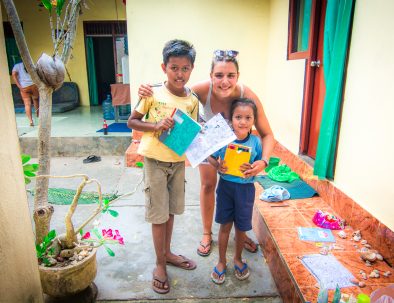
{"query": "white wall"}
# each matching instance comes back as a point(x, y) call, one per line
point(283, 89)
point(209, 25)
point(20, 281)
point(365, 163)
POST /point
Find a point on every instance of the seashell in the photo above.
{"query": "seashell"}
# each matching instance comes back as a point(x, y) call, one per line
point(356, 238)
point(367, 263)
point(51, 71)
point(342, 234)
point(367, 246)
point(379, 257)
point(364, 249)
point(375, 270)
point(373, 274)
point(364, 276)
point(361, 271)
point(368, 256)
point(361, 284)
point(363, 242)
point(387, 273)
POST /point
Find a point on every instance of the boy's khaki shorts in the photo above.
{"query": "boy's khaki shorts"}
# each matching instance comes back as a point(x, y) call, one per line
point(164, 189)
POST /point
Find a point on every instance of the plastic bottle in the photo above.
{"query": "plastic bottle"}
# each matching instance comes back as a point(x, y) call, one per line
point(108, 109)
point(105, 127)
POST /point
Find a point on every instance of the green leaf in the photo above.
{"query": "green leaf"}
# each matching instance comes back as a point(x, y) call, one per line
point(25, 158)
point(29, 174)
point(27, 180)
point(59, 7)
point(113, 213)
point(30, 167)
point(47, 4)
point(52, 234)
point(109, 251)
point(81, 232)
point(106, 201)
point(46, 261)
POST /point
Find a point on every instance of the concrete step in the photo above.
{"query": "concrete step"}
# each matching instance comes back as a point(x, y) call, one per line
point(79, 146)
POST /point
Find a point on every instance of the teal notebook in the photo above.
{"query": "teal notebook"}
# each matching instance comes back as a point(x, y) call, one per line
point(182, 134)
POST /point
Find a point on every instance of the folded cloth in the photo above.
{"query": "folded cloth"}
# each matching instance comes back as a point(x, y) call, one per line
point(283, 173)
point(298, 189)
point(275, 193)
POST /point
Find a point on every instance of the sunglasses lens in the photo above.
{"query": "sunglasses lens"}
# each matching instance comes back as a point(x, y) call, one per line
point(232, 53)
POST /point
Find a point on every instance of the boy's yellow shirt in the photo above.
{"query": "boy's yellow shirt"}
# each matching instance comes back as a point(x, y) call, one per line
point(156, 108)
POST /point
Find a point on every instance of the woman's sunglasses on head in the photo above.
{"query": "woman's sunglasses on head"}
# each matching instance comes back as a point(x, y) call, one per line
point(225, 54)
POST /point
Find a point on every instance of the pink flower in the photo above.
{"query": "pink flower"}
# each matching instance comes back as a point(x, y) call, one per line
point(107, 233)
point(118, 237)
point(86, 236)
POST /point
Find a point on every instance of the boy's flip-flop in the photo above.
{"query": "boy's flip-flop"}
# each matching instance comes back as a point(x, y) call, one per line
point(221, 276)
point(184, 263)
point(160, 290)
point(91, 159)
point(242, 273)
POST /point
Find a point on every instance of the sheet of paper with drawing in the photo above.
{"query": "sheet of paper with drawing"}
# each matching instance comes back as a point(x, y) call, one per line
point(235, 156)
point(215, 134)
point(182, 134)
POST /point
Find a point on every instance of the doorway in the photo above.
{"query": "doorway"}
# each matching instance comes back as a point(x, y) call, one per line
point(106, 42)
point(105, 70)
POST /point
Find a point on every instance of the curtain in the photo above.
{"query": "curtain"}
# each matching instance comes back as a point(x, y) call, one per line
point(93, 92)
point(336, 37)
point(13, 56)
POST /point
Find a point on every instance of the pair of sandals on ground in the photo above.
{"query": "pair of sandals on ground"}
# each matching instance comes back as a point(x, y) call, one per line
point(241, 272)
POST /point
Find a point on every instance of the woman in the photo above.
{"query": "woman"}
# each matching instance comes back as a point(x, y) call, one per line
point(28, 89)
point(216, 95)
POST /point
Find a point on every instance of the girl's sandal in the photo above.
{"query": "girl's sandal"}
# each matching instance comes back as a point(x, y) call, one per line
point(221, 276)
point(242, 273)
point(206, 248)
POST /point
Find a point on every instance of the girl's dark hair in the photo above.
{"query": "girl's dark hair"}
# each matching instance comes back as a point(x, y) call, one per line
point(243, 102)
point(178, 48)
point(225, 59)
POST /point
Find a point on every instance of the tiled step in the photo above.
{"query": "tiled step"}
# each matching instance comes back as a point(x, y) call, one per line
point(276, 230)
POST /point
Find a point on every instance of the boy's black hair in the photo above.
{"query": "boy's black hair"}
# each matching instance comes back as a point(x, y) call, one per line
point(243, 102)
point(178, 48)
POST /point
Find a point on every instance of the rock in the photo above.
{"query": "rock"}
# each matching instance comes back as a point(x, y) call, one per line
point(368, 256)
point(387, 273)
point(342, 234)
point(361, 284)
point(379, 257)
point(364, 276)
point(67, 253)
point(363, 242)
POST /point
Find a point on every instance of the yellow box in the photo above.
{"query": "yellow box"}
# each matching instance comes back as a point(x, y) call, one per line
point(235, 156)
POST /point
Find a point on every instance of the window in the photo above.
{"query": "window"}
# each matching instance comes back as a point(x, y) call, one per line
point(299, 28)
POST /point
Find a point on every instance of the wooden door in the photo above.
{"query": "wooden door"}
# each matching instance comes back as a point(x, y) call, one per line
point(314, 85)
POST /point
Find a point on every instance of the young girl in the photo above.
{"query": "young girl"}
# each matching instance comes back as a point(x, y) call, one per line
point(235, 195)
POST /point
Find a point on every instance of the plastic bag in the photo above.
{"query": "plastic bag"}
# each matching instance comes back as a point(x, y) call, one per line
point(327, 220)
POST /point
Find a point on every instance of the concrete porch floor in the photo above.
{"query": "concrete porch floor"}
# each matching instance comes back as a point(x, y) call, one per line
point(127, 276)
point(74, 133)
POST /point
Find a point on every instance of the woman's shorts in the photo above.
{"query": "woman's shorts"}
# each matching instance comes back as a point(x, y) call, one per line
point(30, 91)
point(234, 203)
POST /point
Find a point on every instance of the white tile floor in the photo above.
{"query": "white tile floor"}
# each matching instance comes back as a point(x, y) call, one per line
point(80, 122)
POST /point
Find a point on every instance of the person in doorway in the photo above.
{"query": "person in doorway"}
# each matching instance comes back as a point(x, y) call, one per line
point(234, 194)
point(164, 170)
point(215, 96)
point(27, 88)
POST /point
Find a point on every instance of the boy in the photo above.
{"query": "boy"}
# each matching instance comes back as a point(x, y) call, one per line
point(164, 170)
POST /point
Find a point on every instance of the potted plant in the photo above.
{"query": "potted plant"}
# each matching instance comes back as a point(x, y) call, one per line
point(67, 262)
